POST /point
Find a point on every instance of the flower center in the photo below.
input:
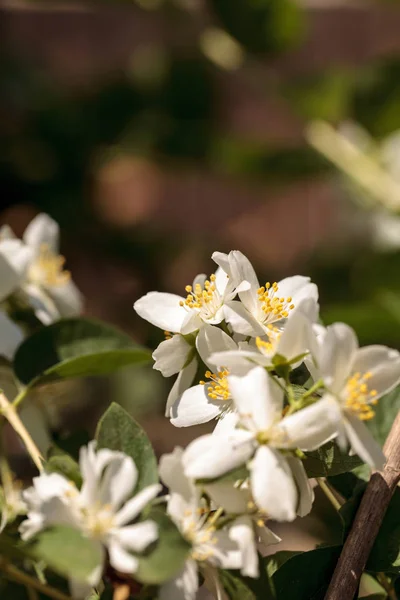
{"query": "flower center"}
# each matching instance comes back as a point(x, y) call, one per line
point(360, 397)
point(48, 268)
point(199, 530)
point(273, 306)
point(217, 387)
point(98, 520)
point(267, 347)
point(206, 300)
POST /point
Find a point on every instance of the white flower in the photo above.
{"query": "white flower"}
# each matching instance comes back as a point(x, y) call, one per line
point(355, 378)
point(102, 509)
point(290, 344)
point(264, 432)
point(11, 336)
point(205, 303)
point(263, 306)
point(209, 399)
point(38, 270)
point(211, 547)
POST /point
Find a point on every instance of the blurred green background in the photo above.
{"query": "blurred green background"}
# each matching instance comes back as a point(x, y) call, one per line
point(157, 131)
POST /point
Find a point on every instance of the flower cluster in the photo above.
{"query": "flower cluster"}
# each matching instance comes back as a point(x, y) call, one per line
point(252, 339)
point(251, 359)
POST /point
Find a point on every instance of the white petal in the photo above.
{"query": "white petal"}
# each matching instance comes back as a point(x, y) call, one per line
point(363, 443)
point(243, 270)
point(227, 554)
point(135, 505)
point(295, 338)
point(184, 586)
point(182, 383)
point(212, 339)
point(120, 559)
point(337, 351)
point(306, 493)
point(222, 281)
point(191, 322)
point(194, 407)
point(162, 310)
point(241, 320)
point(11, 336)
point(298, 287)
point(171, 473)
point(211, 456)
point(272, 484)
point(241, 532)
point(259, 400)
point(222, 261)
point(267, 537)
point(384, 365)
point(42, 230)
point(17, 254)
point(171, 355)
point(118, 480)
point(239, 361)
point(67, 298)
point(312, 426)
point(138, 536)
point(230, 498)
point(226, 423)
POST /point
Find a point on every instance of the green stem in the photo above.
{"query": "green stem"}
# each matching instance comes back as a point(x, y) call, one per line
point(20, 397)
point(317, 385)
point(18, 576)
point(328, 493)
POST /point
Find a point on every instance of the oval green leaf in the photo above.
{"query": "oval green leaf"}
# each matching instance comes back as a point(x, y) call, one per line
point(68, 552)
point(75, 348)
point(169, 554)
point(118, 431)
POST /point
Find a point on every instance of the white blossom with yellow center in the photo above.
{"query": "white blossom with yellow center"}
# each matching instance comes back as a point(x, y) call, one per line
point(290, 344)
point(102, 509)
point(263, 433)
point(354, 378)
point(261, 306)
point(39, 274)
point(204, 303)
point(212, 546)
point(210, 398)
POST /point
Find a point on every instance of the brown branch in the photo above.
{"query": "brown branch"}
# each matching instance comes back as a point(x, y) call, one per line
point(367, 522)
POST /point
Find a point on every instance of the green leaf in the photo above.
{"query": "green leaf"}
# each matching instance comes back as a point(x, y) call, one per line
point(68, 552)
point(168, 555)
point(306, 576)
point(385, 554)
point(60, 462)
point(118, 431)
point(329, 460)
point(238, 587)
point(75, 348)
point(385, 413)
point(277, 560)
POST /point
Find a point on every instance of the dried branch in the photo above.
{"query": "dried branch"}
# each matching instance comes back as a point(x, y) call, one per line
point(367, 522)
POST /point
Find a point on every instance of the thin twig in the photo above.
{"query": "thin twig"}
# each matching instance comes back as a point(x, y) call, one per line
point(9, 412)
point(367, 522)
point(387, 586)
point(328, 493)
point(18, 576)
